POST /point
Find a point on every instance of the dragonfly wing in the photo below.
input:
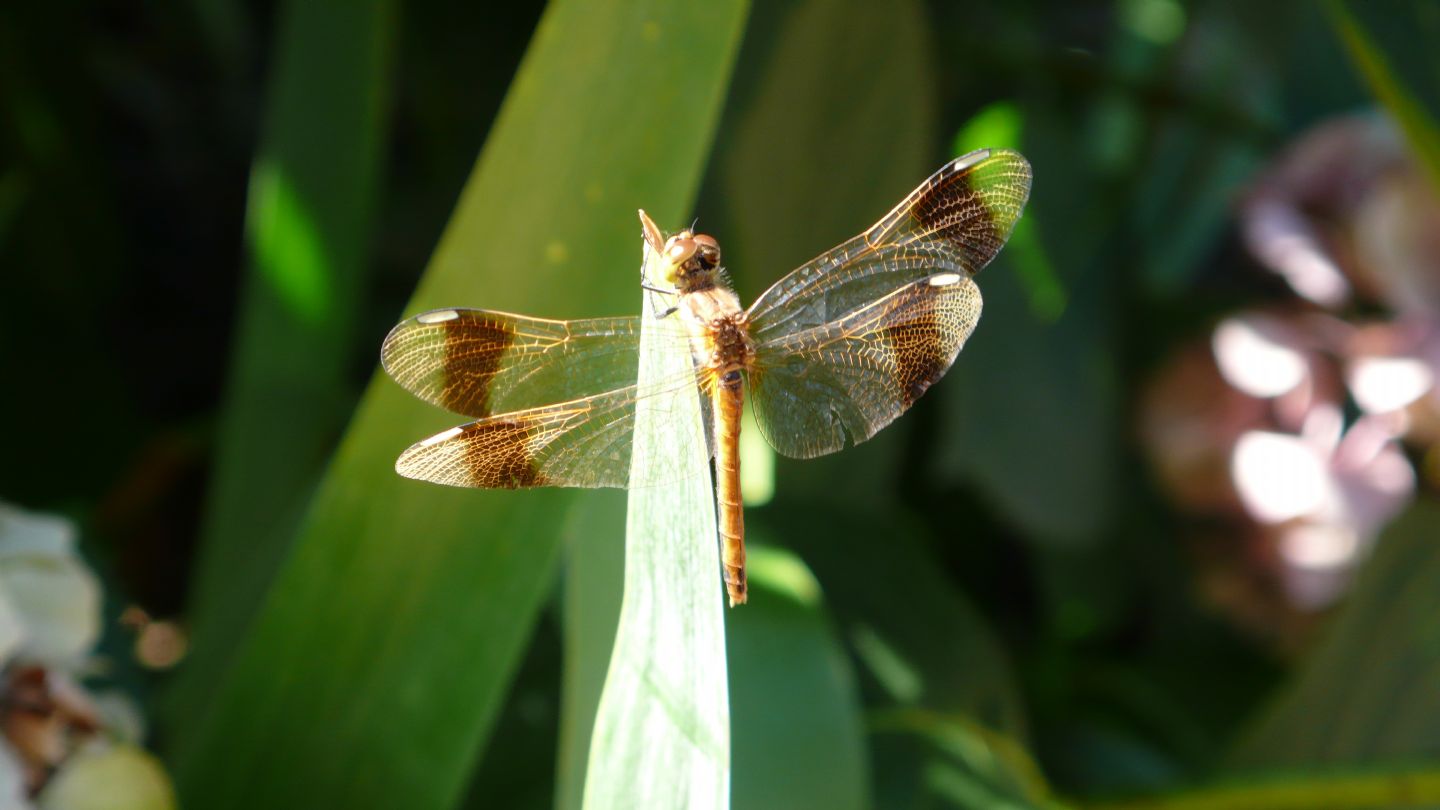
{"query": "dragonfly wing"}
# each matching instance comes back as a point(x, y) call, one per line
point(581, 443)
point(476, 363)
point(956, 221)
point(853, 376)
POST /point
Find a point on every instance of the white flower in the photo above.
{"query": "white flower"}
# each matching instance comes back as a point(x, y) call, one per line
point(49, 599)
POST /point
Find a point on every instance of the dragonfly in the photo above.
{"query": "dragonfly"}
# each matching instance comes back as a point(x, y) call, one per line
point(829, 354)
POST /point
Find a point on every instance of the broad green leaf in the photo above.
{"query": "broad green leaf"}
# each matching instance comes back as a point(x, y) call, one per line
point(313, 198)
point(799, 737)
point(880, 578)
point(1367, 695)
point(941, 689)
point(662, 730)
point(374, 669)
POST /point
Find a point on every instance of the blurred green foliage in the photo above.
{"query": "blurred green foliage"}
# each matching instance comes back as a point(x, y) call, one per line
point(211, 213)
point(312, 203)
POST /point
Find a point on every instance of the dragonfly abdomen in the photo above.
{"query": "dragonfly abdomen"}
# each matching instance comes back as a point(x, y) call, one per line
point(728, 399)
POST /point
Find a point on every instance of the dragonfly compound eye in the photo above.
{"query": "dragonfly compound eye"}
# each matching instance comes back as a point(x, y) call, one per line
point(708, 249)
point(680, 250)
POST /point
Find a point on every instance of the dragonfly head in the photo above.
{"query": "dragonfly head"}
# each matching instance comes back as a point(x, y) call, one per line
point(691, 260)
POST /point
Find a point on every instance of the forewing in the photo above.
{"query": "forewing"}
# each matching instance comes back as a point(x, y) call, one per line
point(855, 375)
point(581, 443)
point(956, 221)
point(476, 362)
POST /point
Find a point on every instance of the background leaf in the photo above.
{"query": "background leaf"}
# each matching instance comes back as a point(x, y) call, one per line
point(1366, 695)
point(799, 738)
point(356, 685)
point(1030, 400)
point(1419, 123)
point(932, 669)
point(313, 200)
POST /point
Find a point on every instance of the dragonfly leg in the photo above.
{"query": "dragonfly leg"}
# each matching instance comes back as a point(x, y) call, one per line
point(644, 285)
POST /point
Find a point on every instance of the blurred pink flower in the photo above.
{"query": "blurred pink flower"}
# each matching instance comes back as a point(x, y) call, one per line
point(1255, 430)
point(1303, 215)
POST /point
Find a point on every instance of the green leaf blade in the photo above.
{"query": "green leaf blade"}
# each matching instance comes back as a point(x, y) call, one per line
point(799, 736)
point(1421, 129)
point(313, 200)
point(662, 732)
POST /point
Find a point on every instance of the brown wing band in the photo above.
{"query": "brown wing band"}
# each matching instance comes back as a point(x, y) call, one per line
point(491, 455)
point(922, 356)
point(473, 349)
point(952, 209)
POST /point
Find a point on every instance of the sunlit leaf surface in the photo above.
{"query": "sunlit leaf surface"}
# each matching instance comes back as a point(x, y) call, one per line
point(662, 730)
